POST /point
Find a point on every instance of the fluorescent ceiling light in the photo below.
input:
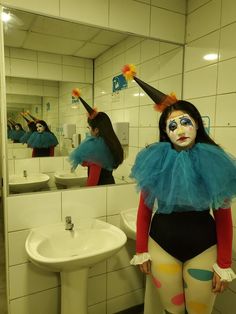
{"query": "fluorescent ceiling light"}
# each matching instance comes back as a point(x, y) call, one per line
point(211, 56)
point(6, 17)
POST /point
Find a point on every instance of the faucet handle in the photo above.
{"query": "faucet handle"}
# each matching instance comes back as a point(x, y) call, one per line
point(68, 223)
point(68, 219)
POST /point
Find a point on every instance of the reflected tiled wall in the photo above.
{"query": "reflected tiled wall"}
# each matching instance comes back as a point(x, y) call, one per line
point(51, 85)
point(210, 85)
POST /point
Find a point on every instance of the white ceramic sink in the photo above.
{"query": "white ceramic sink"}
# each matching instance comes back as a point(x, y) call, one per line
point(72, 252)
point(70, 179)
point(57, 249)
point(29, 182)
point(128, 222)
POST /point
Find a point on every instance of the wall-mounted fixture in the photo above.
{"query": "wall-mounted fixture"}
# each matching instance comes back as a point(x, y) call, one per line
point(122, 131)
point(69, 130)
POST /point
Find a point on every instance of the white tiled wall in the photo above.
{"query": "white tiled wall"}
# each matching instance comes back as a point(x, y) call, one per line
point(28, 284)
point(210, 85)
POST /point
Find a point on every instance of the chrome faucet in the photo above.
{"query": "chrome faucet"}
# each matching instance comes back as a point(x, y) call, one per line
point(24, 173)
point(68, 223)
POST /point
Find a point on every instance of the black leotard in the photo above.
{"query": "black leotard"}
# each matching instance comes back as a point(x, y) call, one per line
point(184, 235)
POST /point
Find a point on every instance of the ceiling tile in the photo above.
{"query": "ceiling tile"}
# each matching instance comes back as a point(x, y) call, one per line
point(108, 38)
point(51, 44)
point(90, 50)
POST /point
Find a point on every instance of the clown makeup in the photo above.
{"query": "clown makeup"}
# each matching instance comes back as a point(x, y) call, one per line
point(181, 130)
point(40, 128)
point(17, 128)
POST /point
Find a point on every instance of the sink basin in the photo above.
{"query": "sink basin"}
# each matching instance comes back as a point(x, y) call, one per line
point(128, 222)
point(31, 182)
point(69, 179)
point(57, 249)
point(72, 252)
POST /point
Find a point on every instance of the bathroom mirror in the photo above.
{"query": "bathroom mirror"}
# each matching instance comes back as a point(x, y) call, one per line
point(46, 57)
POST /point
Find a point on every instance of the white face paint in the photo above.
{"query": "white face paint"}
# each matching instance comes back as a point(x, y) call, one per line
point(40, 128)
point(17, 127)
point(181, 130)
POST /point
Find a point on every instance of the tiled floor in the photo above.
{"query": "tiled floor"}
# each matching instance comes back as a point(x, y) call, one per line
point(3, 306)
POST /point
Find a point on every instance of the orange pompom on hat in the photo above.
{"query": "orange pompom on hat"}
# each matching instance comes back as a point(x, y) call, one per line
point(160, 99)
point(91, 112)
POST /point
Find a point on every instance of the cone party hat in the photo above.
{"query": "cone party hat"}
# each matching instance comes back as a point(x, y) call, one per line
point(91, 112)
point(160, 99)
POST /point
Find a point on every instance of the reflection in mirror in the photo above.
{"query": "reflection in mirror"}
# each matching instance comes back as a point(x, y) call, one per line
point(46, 58)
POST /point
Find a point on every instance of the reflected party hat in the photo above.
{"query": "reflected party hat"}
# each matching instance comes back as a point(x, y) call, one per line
point(24, 117)
point(91, 112)
point(11, 121)
point(160, 99)
point(32, 117)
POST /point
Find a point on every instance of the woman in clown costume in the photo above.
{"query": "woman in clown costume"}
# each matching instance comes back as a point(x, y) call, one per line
point(184, 224)
point(101, 152)
point(43, 141)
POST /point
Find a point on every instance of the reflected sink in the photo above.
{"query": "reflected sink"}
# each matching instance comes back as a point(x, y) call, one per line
point(57, 249)
point(128, 222)
point(72, 252)
point(28, 183)
point(70, 179)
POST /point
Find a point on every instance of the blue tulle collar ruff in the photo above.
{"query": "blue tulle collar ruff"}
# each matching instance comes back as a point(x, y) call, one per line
point(195, 179)
point(42, 140)
point(93, 149)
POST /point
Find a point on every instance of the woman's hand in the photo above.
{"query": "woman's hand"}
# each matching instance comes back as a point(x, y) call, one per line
point(217, 285)
point(146, 267)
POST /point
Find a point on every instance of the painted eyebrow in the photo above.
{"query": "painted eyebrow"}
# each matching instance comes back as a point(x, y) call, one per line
point(180, 117)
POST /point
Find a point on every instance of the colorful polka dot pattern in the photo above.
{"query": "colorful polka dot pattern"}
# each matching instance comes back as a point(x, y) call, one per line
point(178, 299)
point(169, 268)
point(197, 307)
point(156, 282)
point(200, 274)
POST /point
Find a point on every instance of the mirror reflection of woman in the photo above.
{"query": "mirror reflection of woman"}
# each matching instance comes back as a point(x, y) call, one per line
point(184, 249)
point(31, 128)
point(17, 133)
point(101, 152)
point(43, 141)
point(9, 130)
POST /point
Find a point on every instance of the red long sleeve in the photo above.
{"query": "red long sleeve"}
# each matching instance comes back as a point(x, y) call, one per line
point(143, 223)
point(224, 232)
point(94, 174)
point(51, 152)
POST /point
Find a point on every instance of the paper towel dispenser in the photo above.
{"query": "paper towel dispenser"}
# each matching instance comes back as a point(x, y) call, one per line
point(69, 130)
point(122, 131)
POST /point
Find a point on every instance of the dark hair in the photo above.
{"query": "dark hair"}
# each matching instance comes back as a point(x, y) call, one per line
point(106, 131)
point(43, 123)
point(32, 126)
point(19, 125)
point(187, 107)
